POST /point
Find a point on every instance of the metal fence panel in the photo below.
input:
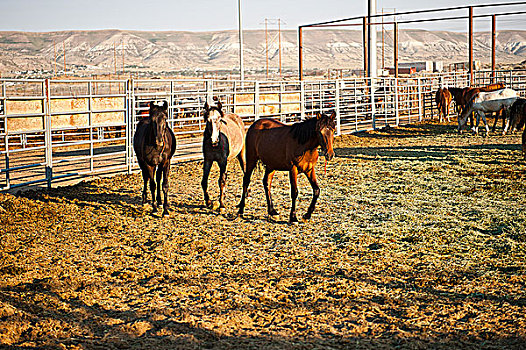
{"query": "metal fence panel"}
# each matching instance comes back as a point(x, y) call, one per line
point(56, 129)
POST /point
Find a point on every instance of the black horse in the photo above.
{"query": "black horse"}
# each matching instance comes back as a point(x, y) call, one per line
point(223, 140)
point(154, 145)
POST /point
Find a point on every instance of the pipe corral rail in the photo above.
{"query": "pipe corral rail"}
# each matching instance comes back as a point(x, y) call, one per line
point(58, 130)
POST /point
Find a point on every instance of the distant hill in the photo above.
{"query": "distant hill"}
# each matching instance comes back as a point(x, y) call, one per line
point(166, 51)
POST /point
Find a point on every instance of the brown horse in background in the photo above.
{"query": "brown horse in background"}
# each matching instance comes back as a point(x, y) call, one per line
point(292, 148)
point(443, 99)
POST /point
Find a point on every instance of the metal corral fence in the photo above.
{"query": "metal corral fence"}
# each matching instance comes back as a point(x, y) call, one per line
point(52, 130)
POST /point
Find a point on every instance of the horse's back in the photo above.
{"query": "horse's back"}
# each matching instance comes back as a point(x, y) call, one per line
point(268, 139)
point(235, 132)
point(496, 95)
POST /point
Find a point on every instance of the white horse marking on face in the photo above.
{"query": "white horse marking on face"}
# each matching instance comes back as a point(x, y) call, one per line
point(214, 118)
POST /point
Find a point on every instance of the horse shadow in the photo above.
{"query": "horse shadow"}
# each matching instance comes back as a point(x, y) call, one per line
point(88, 194)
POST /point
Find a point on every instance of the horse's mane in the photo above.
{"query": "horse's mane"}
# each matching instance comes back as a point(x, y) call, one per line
point(304, 131)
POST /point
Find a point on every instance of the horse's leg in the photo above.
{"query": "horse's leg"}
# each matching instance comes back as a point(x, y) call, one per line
point(250, 165)
point(267, 182)
point(151, 175)
point(293, 176)
point(166, 174)
point(506, 120)
point(158, 177)
point(207, 165)
point(495, 122)
point(524, 143)
point(311, 175)
point(222, 181)
point(483, 116)
point(241, 158)
point(145, 173)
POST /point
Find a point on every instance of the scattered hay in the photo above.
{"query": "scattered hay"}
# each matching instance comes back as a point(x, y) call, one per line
point(418, 240)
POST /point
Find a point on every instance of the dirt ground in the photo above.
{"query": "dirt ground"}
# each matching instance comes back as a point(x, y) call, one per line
point(418, 240)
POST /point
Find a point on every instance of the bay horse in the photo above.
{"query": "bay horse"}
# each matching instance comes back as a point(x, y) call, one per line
point(223, 140)
point(292, 148)
point(485, 102)
point(443, 99)
point(154, 145)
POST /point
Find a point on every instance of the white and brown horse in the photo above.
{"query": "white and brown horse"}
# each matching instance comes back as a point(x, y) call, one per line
point(486, 102)
point(223, 140)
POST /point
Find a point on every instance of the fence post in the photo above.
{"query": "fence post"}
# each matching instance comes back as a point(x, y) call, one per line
point(256, 101)
point(47, 135)
point(373, 104)
point(90, 123)
point(281, 116)
point(129, 123)
point(302, 100)
point(420, 99)
point(337, 106)
point(397, 114)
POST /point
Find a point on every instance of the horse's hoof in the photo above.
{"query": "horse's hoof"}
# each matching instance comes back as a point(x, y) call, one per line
point(293, 219)
point(166, 214)
point(273, 212)
point(306, 216)
point(154, 210)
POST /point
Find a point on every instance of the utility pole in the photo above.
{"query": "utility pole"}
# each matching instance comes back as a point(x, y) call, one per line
point(55, 65)
point(470, 46)
point(114, 59)
point(383, 41)
point(266, 43)
point(300, 52)
point(279, 39)
point(493, 44)
point(64, 48)
point(371, 40)
point(122, 51)
point(240, 30)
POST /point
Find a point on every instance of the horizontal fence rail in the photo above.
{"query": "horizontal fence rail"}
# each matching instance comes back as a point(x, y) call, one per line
point(51, 130)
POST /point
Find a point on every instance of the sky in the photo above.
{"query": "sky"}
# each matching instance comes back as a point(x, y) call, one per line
point(209, 15)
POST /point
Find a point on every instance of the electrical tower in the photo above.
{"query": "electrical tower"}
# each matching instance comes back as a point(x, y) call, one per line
point(273, 39)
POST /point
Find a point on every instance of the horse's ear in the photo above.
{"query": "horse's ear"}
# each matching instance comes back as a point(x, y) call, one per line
point(207, 107)
point(165, 105)
point(219, 105)
point(151, 105)
point(318, 115)
point(333, 115)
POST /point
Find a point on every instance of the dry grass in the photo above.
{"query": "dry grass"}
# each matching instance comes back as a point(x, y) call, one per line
point(418, 240)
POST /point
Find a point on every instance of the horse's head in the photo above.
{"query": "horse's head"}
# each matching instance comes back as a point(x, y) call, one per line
point(214, 119)
point(158, 117)
point(325, 127)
